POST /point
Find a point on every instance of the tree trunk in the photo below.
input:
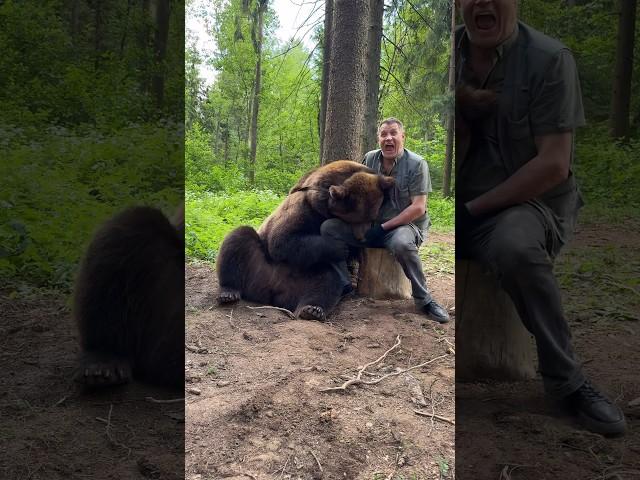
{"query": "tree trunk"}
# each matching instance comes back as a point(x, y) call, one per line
point(380, 276)
point(448, 155)
point(161, 38)
point(374, 42)
point(256, 37)
point(347, 81)
point(491, 340)
point(624, 67)
point(326, 67)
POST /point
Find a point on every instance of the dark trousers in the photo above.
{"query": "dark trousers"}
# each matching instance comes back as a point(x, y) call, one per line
point(403, 242)
point(518, 245)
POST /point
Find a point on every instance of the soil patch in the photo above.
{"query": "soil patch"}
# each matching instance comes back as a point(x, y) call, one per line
point(254, 405)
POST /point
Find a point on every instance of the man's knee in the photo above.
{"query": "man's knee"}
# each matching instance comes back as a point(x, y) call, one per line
point(334, 228)
point(402, 244)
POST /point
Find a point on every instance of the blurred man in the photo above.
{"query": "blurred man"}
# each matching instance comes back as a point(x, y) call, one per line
point(517, 200)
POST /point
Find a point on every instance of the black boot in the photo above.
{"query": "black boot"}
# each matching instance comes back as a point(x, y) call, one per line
point(435, 312)
point(596, 412)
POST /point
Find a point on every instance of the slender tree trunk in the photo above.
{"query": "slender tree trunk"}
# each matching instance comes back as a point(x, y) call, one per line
point(448, 156)
point(75, 21)
point(98, 34)
point(256, 35)
point(160, 49)
point(374, 42)
point(347, 81)
point(326, 67)
point(125, 29)
point(621, 96)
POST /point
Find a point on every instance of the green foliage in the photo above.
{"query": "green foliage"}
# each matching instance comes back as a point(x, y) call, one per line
point(210, 216)
point(46, 220)
point(441, 212)
point(608, 172)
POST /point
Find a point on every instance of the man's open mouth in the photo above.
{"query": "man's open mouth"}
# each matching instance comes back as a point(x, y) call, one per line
point(485, 21)
point(389, 147)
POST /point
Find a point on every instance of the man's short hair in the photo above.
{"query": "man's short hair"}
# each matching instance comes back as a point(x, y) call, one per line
point(391, 120)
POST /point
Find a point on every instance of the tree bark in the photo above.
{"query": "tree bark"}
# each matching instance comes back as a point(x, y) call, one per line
point(256, 37)
point(374, 43)
point(326, 66)
point(491, 340)
point(448, 155)
point(347, 81)
point(381, 276)
point(621, 95)
point(161, 38)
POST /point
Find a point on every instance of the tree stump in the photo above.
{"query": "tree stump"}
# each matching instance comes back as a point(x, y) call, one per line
point(491, 340)
point(381, 276)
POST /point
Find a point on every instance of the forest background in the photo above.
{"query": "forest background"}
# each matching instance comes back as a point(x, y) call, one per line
point(93, 104)
point(224, 188)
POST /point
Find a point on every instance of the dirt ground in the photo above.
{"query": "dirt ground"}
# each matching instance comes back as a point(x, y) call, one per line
point(255, 409)
point(50, 429)
point(512, 432)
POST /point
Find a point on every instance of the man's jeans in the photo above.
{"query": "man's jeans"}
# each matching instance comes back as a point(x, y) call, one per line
point(402, 242)
point(518, 245)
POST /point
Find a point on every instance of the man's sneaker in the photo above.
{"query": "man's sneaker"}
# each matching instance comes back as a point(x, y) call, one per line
point(435, 312)
point(596, 411)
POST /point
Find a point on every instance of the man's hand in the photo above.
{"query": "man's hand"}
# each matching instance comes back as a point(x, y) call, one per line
point(375, 235)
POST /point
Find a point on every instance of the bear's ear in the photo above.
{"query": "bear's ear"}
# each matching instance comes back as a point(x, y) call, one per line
point(386, 182)
point(337, 192)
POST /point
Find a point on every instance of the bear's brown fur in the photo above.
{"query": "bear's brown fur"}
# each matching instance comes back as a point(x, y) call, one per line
point(288, 263)
point(343, 189)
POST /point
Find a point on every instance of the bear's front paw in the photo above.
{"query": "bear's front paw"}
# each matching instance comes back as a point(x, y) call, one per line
point(228, 296)
point(312, 312)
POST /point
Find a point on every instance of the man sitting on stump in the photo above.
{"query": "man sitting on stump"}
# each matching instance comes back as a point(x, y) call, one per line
point(517, 200)
point(403, 219)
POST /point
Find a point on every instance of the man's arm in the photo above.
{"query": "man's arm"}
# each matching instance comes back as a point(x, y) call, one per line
point(409, 214)
point(543, 172)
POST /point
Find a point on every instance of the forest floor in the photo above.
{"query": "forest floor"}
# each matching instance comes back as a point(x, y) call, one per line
point(255, 409)
point(51, 430)
point(511, 431)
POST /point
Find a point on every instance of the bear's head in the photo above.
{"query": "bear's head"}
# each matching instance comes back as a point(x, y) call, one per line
point(359, 198)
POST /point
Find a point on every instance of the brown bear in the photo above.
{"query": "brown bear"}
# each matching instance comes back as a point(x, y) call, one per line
point(343, 189)
point(129, 301)
point(287, 263)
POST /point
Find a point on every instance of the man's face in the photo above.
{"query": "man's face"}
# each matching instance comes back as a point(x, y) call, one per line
point(391, 140)
point(488, 22)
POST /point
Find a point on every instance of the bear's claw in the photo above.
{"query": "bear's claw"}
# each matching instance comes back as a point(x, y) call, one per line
point(312, 312)
point(228, 296)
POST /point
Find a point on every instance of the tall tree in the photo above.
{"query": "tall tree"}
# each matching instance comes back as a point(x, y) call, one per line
point(448, 156)
point(326, 67)
point(347, 81)
point(374, 42)
point(161, 36)
point(256, 38)
point(621, 97)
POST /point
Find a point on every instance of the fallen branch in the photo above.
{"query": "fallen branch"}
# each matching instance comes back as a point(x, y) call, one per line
point(110, 437)
point(288, 312)
point(437, 417)
point(357, 380)
point(316, 458)
point(169, 400)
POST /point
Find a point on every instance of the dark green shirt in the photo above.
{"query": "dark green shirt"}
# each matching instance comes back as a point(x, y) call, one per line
point(553, 105)
point(411, 174)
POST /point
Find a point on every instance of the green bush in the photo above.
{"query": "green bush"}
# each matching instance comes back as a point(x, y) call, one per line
point(210, 216)
point(47, 220)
